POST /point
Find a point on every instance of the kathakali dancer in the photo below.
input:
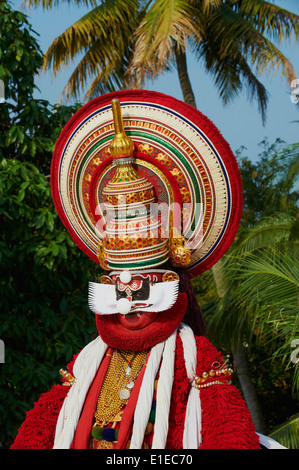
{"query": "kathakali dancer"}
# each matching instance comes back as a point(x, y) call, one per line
point(150, 191)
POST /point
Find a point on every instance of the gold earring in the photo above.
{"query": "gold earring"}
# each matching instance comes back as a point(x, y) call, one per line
point(179, 255)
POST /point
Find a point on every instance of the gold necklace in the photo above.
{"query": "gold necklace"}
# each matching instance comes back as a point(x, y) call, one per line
point(117, 386)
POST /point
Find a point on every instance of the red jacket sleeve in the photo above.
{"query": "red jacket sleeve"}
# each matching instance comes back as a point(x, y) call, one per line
point(226, 421)
point(38, 429)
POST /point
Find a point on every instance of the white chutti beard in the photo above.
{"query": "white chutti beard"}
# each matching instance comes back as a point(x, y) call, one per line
point(102, 298)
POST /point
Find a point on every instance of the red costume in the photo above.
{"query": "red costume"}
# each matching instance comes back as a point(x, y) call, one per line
point(226, 422)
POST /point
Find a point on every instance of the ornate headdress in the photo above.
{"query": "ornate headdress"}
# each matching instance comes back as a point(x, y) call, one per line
point(139, 178)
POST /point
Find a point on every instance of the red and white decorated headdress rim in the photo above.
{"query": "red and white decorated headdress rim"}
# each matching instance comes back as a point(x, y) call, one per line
point(178, 149)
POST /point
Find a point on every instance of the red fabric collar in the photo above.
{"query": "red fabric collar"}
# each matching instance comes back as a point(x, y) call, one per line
point(116, 336)
point(83, 431)
point(82, 434)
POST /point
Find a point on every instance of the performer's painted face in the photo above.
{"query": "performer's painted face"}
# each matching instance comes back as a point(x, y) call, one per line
point(136, 294)
point(137, 297)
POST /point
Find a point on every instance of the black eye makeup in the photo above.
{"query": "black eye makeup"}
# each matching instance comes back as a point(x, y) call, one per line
point(139, 294)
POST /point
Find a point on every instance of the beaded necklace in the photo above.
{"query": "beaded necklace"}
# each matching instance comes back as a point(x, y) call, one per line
point(117, 385)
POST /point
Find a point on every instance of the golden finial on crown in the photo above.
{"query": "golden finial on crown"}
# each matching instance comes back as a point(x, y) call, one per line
point(121, 145)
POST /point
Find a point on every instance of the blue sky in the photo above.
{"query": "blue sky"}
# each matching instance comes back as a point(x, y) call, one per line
point(239, 122)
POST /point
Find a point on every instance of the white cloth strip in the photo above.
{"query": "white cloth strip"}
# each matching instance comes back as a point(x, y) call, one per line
point(270, 443)
point(163, 396)
point(192, 428)
point(145, 398)
point(85, 369)
point(190, 350)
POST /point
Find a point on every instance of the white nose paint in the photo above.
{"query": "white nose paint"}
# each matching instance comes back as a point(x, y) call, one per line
point(123, 306)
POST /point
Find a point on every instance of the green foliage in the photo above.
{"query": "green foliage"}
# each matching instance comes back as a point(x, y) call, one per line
point(272, 383)
point(266, 219)
point(256, 284)
point(266, 289)
point(270, 183)
point(20, 55)
point(105, 53)
point(45, 319)
point(288, 433)
point(43, 287)
point(43, 291)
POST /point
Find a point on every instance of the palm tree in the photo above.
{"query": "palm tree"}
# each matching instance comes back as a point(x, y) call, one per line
point(124, 41)
point(230, 37)
point(242, 307)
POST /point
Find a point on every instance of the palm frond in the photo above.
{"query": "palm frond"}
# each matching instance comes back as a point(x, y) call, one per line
point(239, 279)
point(236, 33)
point(104, 83)
point(269, 231)
point(209, 5)
point(268, 58)
point(270, 19)
point(268, 276)
point(236, 48)
point(287, 434)
point(101, 24)
point(291, 175)
point(267, 289)
point(231, 76)
point(96, 37)
point(261, 298)
point(48, 4)
point(108, 74)
point(166, 23)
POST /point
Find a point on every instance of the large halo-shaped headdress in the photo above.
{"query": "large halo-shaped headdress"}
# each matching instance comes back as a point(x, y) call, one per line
point(139, 177)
